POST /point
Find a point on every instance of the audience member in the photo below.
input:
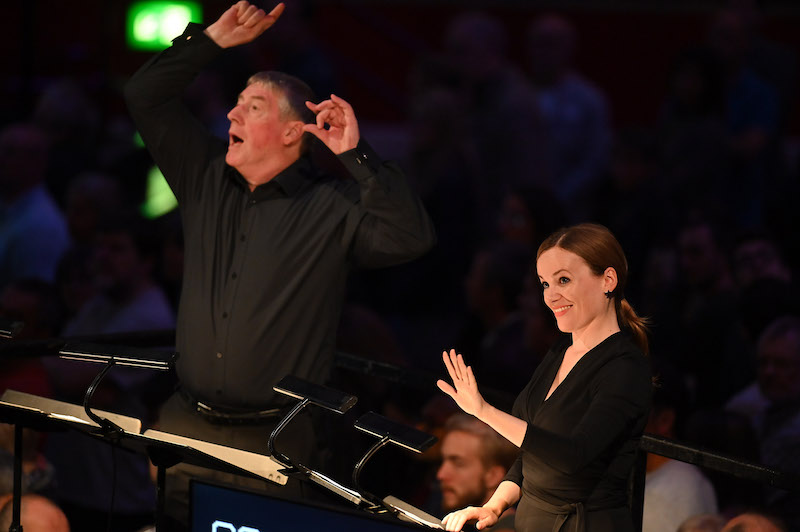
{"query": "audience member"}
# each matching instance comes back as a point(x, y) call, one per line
point(729, 434)
point(775, 410)
point(674, 490)
point(754, 522)
point(35, 304)
point(764, 281)
point(475, 459)
point(38, 514)
point(499, 103)
point(71, 120)
point(33, 234)
point(128, 299)
point(529, 214)
point(90, 198)
point(703, 523)
point(698, 320)
point(574, 110)
point(751, 119)
point(493, 286)
point(694, 151)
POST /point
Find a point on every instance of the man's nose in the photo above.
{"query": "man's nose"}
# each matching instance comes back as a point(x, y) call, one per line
point(234, 114)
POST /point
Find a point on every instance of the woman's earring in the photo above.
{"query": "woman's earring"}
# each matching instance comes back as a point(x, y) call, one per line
point(609, 294)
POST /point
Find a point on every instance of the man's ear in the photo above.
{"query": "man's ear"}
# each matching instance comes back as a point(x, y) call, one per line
point(293, 133)
point(493, 476)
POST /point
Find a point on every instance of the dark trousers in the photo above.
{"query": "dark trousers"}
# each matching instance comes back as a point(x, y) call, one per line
point(297, 441)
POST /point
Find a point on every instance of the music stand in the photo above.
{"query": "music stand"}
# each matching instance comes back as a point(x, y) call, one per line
point(10, 328)
point(322, 396)
point(111, 356)
point(389, 431)
point(163, 449)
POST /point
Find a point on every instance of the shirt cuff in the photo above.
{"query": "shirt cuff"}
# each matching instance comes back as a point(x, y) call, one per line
point(195, 35)
point(362, 162)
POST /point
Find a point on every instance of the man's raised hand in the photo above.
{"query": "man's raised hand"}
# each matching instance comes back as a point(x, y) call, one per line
point(342, 133)
point(242, 23)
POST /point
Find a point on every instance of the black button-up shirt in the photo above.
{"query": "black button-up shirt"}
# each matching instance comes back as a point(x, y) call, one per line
point(264, 275)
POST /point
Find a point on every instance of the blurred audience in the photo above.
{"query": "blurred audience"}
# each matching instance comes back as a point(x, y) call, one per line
point(575, 113)
point(754, 522)
point(33, 233)
point(123, 262)
point(494, 325)
point(38, 514)
point(674, 490)
point(703, 523)
point(774, 409)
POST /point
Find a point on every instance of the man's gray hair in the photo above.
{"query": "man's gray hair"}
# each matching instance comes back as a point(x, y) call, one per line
point(294, 93)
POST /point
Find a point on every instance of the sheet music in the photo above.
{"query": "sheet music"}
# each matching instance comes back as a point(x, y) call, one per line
point(406, 512)
point(262, 465)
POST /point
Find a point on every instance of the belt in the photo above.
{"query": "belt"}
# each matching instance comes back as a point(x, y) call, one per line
point(562, 513)
point(231, 416)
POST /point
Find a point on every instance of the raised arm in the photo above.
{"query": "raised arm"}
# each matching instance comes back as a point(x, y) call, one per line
point(466, 395)
point(241, 24)
point(389, 225)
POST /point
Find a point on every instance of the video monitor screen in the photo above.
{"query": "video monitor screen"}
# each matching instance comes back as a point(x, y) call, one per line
point(222, 509)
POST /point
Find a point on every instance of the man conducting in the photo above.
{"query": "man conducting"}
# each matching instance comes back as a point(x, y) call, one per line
point(269, 239)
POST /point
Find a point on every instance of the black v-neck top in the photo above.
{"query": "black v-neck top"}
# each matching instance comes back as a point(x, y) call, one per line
point(580, 443)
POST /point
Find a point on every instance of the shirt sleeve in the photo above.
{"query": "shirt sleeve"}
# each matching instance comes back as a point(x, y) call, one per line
point(179, 144)
point(515, 471)
point(391, 224)
point(621, 397)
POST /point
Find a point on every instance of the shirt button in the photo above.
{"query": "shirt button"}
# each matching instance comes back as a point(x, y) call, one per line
point(219, 355)
point(224, 314)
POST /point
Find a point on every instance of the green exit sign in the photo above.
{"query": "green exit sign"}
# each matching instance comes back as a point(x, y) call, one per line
point(153, 25)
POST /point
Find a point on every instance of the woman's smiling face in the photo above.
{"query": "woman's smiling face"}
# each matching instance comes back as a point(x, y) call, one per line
point(570, 289)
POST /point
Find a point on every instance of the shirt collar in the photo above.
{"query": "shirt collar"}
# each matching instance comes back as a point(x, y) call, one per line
point(287, 183)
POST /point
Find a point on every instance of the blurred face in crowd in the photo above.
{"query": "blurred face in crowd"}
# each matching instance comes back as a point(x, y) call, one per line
point(117, 263)
point(475, 282)
point(700, 259)
point(23, 158)
point(779, 367)
point(19, 305)
point(463, 477)
point(758, 259)
point(515, 223)
point(571, 290)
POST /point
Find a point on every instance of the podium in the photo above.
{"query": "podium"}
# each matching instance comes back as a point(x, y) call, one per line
point(164, 449)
